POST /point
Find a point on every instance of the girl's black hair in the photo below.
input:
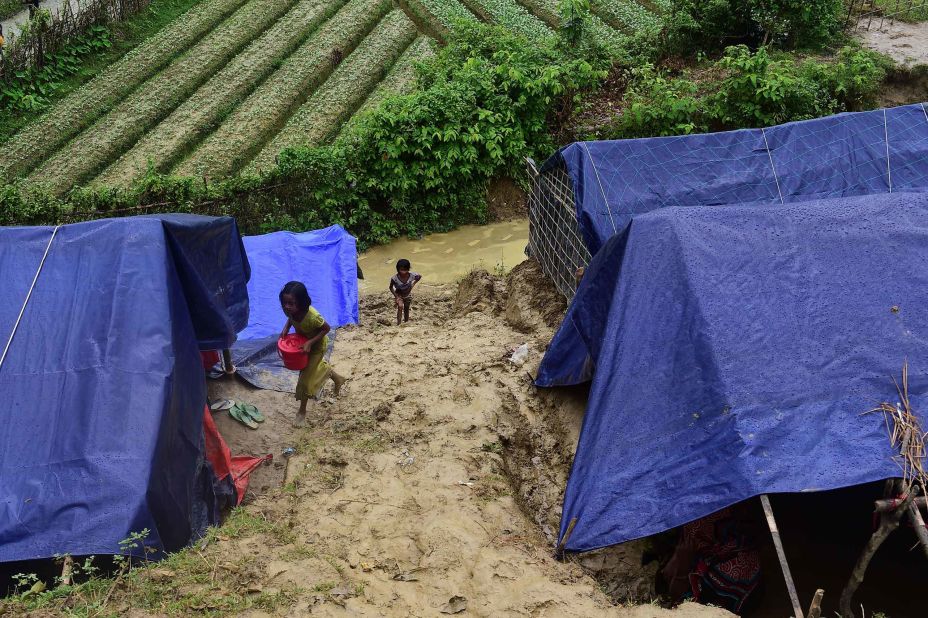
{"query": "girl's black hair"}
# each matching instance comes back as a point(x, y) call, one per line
point(402, 265)
point(298, 291)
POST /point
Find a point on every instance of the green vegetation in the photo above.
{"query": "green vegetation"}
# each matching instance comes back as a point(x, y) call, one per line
point(510, 15)
point(400, 80)
point(751, 89)
point(626, 14)
point(709, 25)
point(609, 38)
point(8, 8)
point(345, 90)
point(83, 105)
point(256, 120)
point(177, 134)
point(443, 14)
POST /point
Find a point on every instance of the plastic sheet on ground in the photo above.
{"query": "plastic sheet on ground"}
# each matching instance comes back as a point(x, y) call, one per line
point(737, 350)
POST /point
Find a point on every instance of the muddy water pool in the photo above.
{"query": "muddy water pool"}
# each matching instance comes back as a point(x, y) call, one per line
point(444, 258)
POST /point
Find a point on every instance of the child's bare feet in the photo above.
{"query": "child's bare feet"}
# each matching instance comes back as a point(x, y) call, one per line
point(338, 381)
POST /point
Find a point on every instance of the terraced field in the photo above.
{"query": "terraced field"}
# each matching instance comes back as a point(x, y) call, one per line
point(229, 84)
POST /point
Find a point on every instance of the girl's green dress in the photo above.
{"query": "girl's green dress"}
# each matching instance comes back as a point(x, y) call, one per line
point(317, 370)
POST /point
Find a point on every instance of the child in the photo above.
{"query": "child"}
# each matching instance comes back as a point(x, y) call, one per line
point(401, 285)
point(295, 301)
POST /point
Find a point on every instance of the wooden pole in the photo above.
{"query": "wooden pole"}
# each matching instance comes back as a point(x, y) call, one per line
point(815, 609)
point(919, 525)
point(888, 523)
point(885, 506)
point(781, 554)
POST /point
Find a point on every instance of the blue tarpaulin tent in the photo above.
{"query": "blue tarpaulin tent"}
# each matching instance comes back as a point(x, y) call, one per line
point(864, 153)
point(102, 384)
point(737, 350)
point(326, 262)
point(751, 296)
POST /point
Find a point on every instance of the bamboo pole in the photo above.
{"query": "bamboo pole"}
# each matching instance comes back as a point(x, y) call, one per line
point(781, 554)
point(815, 608)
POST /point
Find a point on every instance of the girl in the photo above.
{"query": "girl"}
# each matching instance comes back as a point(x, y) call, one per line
point(295, 301)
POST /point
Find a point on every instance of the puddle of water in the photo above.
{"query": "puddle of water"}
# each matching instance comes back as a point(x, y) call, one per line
point(444, 258)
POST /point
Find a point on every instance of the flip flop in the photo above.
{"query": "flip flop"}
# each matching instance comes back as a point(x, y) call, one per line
point(238, 414)
point(223, 404)
point(252, 411)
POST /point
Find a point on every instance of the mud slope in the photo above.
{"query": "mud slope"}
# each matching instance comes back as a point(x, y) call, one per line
point(409, 493)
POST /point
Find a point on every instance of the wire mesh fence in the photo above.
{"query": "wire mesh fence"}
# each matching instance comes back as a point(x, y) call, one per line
point(553, 233)
point(878, 14)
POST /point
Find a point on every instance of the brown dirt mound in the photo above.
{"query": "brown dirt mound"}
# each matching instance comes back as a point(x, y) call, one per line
point(507, 200)
point(531, 300)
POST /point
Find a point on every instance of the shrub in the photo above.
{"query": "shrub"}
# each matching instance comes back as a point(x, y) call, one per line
point(752, 89)
point(710, 25)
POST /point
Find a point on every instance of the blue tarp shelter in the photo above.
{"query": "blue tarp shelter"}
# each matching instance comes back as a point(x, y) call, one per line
point(102, 384)
point(735, 340)
point(326, 262)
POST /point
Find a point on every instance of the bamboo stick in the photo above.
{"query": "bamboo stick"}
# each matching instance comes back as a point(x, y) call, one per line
point(781, 554)
point(815, 609)
point(919, 525)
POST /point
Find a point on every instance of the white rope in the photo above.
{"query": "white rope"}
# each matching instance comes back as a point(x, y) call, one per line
point(889, 174)
point(599, 182)
point(772, 166)
point(28, 296)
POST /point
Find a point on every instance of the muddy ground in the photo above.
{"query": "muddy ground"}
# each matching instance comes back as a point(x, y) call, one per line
point(434, 482)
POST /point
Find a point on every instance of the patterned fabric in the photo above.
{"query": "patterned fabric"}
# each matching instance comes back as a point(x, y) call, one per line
point(719, 557)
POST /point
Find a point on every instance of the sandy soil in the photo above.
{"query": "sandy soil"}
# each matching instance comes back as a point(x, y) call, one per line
point(905, 43)
point(433, 483)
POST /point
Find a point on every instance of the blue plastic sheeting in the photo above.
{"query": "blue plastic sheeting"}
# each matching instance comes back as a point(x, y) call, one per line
point(737, 350)
point(849, 154)
point(103, 386)
point(325, 260)
point(213, 271)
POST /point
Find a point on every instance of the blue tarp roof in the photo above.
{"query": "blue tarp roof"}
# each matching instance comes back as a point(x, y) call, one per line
point(736, 351)
point(864, 153)
point(848, 154)
point(103, 386)
point(325, 260)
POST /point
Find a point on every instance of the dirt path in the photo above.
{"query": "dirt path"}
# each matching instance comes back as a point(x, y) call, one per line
point(402, 499)
point(905, 43)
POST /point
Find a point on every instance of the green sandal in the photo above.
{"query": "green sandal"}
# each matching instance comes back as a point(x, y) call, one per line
point(238, 413)
point(252, 411)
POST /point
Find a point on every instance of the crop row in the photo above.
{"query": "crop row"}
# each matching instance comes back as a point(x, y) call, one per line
point(345, 90)
point(91, 151)
point(400, 80)
point(625, 14)
point(510, 15)
point(442, 14)
point(176, 135)
point(253, 122)
point(613, 40)
point(81, 108)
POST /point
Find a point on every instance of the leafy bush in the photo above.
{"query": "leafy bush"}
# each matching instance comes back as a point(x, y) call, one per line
point(30, 89)
point(659, 106)
point(710, 25)
point(753, 89)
